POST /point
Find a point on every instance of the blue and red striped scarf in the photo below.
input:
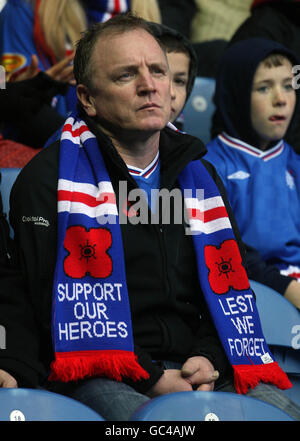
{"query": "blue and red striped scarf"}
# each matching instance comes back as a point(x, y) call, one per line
point(91, 318)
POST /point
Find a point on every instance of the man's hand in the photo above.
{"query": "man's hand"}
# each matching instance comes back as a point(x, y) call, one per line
point(170, 381)
point(198, 371)
point(6, 380)
point(61, 71)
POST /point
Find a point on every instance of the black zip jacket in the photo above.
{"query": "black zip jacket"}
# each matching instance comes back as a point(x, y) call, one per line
point(170, 320)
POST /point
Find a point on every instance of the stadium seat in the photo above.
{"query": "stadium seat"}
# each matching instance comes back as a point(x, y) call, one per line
point(207, 406)
point(280, 322)
point(8, 177)
point(199, 109)
point(41, 405)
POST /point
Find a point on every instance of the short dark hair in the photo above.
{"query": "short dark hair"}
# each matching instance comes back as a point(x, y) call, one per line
point(118, 24)
point(172, 43)
point(275, 60)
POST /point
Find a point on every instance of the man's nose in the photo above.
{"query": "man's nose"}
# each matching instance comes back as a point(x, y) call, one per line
point(146, 83)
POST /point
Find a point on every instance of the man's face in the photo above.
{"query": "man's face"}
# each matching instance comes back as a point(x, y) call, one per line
point(273, 102)
point(179, 64)
point(131, 83)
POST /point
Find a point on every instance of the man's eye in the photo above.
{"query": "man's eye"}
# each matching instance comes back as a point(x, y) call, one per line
point(125, 76)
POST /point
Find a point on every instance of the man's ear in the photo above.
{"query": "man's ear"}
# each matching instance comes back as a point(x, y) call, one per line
point(86, 99)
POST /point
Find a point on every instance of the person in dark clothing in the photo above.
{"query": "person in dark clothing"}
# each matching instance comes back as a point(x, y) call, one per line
point(178, 15)
point(114, 354)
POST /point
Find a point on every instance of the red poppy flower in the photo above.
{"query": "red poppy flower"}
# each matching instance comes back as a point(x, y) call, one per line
point(225, 267)
point(87, 252)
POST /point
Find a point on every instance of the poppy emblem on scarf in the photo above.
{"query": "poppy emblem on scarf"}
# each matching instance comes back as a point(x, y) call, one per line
point(225, 268)
point(87, 252)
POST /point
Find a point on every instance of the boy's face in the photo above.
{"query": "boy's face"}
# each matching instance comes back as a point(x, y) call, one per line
point(273, 102)
point(179, 64)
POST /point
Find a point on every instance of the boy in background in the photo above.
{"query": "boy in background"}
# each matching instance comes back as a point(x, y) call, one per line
point(183, 66)
point(261, 171)
point(182, 61)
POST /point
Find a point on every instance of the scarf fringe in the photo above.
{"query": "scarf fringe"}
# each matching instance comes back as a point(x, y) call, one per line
point(72, 366)
point(246, 376)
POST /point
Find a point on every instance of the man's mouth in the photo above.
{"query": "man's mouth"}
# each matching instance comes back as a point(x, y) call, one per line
point(149, 106)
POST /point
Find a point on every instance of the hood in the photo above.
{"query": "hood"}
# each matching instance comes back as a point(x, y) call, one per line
point(159, 31)
point(234, 84)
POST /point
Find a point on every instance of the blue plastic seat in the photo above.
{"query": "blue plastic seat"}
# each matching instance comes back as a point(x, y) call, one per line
point(280, 322)
point(199, 109)
point(208, 406)
point(40, 405)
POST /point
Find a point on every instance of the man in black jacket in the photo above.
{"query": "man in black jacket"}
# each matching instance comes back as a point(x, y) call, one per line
point(124, 90)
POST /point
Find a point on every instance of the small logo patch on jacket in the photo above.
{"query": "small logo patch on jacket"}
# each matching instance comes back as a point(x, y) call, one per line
point(37, 220)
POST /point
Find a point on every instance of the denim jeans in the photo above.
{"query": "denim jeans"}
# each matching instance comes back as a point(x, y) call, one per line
point(116, 401)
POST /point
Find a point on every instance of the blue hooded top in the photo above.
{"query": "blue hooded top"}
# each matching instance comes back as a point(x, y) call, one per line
point(234, 84)
point(263, 186)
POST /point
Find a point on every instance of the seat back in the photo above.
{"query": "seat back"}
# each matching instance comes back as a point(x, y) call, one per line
point(208, 406)
point(199, 109)
point(8, 177)
point(40, 405)
point(280, 322)
point(279, 318)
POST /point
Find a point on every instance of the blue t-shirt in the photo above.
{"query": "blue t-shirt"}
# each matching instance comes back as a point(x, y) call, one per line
point(148, 180)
